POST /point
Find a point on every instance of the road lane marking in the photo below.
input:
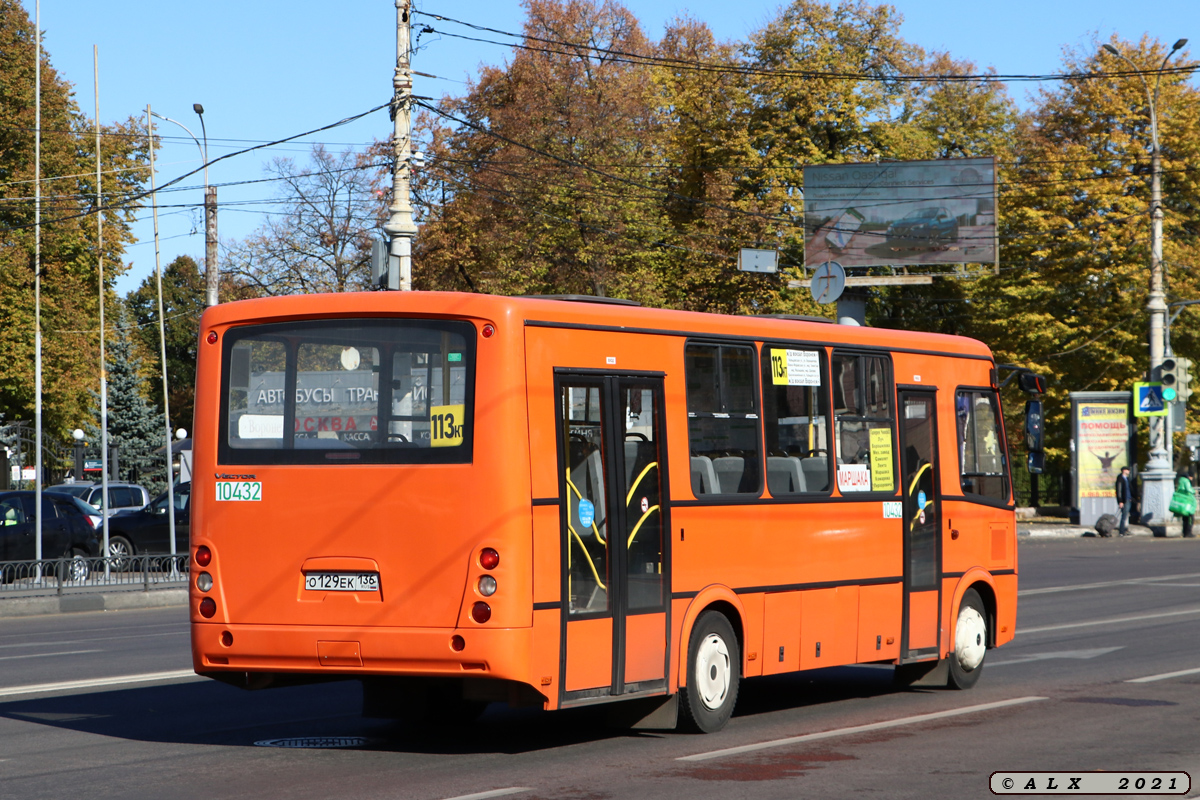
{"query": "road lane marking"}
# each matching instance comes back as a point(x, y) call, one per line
point(47, 655)
point(492, 793)
point(1079, 654)
point(97, 639)
point(1124, 582)
point(1109, 621)
point(93, 683)
point(1164, 676)
point(874, 726)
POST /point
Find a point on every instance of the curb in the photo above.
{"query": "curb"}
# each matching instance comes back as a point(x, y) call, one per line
point(1042, 531)
point(75, 603)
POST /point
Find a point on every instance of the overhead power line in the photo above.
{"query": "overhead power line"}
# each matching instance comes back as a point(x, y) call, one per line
point(623, 56)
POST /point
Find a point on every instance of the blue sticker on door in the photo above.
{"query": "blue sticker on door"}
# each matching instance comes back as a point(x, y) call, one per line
point(587, 513)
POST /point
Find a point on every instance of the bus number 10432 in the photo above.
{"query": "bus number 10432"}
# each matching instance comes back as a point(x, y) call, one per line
point(239, 490)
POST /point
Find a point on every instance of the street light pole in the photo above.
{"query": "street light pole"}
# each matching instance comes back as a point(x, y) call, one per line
point(1158, 478)
point(400, 226)
point(210, 222)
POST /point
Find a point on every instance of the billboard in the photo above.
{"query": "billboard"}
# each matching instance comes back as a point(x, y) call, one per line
point(901, 214)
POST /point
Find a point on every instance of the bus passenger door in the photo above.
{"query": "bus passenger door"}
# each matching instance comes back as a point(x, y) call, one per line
point(922, 526)
point(615, 564)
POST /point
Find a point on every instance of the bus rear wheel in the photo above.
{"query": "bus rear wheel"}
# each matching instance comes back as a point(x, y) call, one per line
point(970, 642)
point(714, 671)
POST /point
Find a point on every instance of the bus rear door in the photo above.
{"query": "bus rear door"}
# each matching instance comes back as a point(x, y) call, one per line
point(922, 525)
point(615, 565)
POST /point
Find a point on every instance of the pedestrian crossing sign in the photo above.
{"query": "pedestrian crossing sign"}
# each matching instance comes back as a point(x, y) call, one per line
point(1148, 400)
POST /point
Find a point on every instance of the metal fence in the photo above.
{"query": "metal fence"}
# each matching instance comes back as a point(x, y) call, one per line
point(80, 574)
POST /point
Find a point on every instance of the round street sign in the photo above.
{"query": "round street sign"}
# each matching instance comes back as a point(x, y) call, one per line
point(828, 282)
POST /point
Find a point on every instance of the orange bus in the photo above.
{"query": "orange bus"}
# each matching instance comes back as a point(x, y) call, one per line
point(558, 501)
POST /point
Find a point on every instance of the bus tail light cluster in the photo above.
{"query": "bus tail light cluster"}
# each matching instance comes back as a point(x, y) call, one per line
point(489, 559)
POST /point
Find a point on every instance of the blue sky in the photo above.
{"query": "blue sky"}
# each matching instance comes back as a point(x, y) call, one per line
point(265, 70)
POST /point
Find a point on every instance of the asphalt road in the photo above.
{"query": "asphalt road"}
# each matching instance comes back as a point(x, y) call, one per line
point(1095, 614)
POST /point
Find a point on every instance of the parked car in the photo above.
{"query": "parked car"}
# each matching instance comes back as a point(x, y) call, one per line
point(148, 530)
point(121, 496)
point(68, 530)
point(926, 224)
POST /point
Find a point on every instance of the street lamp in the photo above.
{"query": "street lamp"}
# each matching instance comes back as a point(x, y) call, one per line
point(77, 435)
point(1158, 479)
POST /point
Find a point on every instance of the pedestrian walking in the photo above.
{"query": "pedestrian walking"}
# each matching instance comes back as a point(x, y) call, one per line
point(1183, 501)
point(1124, 490)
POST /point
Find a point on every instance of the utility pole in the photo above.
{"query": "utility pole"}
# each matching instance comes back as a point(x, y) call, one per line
point(211, 273)
point(400, 226)
point(1158, 479)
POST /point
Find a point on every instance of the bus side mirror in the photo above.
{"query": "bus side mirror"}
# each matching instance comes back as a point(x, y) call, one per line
point(1031, 383)
point(1034, 433)
point(1036, 463)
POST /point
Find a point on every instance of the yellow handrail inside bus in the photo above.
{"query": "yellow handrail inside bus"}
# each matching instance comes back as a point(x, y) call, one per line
point(579, 494)
point(912, 488)
point(634, 532)
point(649, 467)
point(586, 555)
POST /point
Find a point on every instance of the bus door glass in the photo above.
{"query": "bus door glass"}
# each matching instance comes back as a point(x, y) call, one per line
point(922, 523)
point(612, 472)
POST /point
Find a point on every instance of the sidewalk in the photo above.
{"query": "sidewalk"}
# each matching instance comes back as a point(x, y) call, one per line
point(91, 601)
point(1062, 529)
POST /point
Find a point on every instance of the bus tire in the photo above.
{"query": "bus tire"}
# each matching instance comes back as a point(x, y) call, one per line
point(970, 642)
point(714, 671)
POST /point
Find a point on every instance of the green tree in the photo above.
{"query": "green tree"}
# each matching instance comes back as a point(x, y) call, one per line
point(69, 256)
point(133, 424)
point(183, 303)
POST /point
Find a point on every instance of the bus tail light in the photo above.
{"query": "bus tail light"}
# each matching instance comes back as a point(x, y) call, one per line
point(204, 582)
point(487, 585)
point(208, 607)
point(480, 612)
point(489, 331)
point(203, 556)
point(489, 558)
point(211, 338)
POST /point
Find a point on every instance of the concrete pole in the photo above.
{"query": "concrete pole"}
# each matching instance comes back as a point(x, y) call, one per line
point(211, 272)
point(103, 363)
point(400, 226)
point(37, 283)
point(1158, 479)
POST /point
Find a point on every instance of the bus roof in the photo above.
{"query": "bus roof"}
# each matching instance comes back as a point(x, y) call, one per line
point(555, 312)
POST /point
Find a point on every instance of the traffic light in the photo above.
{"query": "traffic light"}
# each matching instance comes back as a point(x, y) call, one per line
point(1183, 379)
point(1168, 376)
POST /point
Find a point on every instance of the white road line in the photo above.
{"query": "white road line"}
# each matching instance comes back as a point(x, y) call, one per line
point(874, 726)
point(1164, 676)
point(47, 655)
point(1081, 586)
point(1109, 621)
point(61, 642)
point(117, 680)
point(492, 793)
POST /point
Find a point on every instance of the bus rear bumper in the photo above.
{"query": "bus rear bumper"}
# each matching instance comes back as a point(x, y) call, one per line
point(499, 653)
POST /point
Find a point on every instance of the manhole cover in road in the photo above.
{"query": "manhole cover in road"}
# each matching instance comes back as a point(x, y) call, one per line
point(316, 742)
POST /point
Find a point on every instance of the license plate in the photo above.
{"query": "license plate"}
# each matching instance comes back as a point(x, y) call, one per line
point(341, 581)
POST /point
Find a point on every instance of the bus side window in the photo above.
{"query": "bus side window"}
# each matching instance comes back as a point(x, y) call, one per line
point(863, 420)
point(723, 418)
point(796, 420)
point(983, 465)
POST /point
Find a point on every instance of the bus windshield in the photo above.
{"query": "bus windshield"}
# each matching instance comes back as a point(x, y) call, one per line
point(360, 391)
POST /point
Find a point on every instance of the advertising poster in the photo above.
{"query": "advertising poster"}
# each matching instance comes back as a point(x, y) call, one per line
point(901, 213)
point(1102, 438)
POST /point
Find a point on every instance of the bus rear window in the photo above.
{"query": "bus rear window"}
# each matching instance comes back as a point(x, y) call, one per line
point(340, 391)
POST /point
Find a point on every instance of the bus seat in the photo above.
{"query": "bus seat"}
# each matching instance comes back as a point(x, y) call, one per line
point(784, 476)
point(816, 473)
point(704, 478)
point(729, 471)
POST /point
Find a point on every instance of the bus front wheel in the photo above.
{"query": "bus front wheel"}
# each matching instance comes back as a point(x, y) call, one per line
point(714, 670)
point(970, 642)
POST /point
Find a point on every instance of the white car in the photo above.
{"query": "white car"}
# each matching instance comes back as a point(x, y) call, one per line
point(121, 496)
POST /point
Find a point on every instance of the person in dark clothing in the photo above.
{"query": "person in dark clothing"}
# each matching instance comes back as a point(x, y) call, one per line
point(1124, 490)
point(1183, 483)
